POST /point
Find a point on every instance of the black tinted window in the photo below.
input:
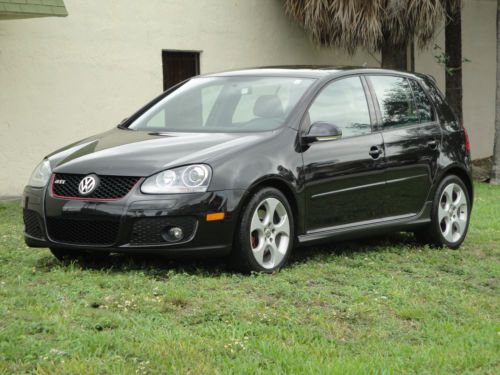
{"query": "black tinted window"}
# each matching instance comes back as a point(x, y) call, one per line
point(395, 99)
point(444, 110)
point(343, 103)
point(424, 106)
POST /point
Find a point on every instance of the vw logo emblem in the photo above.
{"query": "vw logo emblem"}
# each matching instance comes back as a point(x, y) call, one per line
point(88, 184)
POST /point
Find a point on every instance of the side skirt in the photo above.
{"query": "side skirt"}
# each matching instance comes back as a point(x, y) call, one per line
point(368, 228)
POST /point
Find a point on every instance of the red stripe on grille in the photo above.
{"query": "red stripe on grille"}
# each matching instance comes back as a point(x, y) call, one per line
point(54, 195)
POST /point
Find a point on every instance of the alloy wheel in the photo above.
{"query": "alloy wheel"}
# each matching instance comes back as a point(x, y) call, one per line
point(453, 213)
point(269, 233)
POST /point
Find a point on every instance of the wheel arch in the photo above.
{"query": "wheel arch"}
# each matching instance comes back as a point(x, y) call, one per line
point(281, 185)
point(461, 173)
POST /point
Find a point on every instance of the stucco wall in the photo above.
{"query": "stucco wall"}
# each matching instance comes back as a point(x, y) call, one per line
point(62, 79)
point(478, 79)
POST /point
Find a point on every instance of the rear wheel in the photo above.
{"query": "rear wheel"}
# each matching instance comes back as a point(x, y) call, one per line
point(63, 254)
point(265, 236)
point(450, 215)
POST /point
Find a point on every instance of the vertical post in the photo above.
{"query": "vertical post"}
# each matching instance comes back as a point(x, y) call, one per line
point(495, 172)
point(453, 49)
point(411, 56)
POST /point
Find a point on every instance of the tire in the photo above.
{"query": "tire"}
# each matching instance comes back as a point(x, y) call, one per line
point(63, 254)
point(450, 215)
point(262, 244)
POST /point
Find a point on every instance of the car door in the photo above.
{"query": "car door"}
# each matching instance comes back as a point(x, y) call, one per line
point(344, 176)
point(411, 138)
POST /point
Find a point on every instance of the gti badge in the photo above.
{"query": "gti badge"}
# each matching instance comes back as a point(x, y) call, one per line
point(88, 184)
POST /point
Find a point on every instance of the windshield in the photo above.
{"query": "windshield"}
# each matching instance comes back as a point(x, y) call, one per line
point(225, 104)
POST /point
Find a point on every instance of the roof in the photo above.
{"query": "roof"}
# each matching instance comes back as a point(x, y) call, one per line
point(14, 9)
point(306, 71)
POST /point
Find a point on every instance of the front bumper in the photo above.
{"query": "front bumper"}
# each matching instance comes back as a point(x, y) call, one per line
point(134, 224)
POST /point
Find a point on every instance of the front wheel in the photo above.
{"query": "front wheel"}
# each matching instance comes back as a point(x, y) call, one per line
point(265, 237)
point(450, 215)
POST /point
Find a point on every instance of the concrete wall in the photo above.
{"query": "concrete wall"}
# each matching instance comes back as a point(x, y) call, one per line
point(478, 79)
point(62, 79)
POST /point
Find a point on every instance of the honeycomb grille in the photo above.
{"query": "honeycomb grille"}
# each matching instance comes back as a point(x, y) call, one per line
point(109, 187)
point(149, 230)
point(32, 225)
point(83, 232)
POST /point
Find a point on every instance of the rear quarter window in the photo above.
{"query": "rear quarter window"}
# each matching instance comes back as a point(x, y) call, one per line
point(446, 115)
point(424, 106)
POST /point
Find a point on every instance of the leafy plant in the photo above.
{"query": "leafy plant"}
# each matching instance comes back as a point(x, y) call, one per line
point(442, 58)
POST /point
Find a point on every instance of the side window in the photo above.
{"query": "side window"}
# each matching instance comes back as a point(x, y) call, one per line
point(343, 103)
point(395, 100)
point(424, 106)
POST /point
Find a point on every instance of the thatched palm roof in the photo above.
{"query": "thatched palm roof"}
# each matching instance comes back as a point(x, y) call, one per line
point(349, 24)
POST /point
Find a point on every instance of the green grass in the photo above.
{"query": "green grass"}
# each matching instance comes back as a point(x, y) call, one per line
point(384, 305)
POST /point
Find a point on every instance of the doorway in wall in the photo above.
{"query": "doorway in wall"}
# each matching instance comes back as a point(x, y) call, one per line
point(178, 66)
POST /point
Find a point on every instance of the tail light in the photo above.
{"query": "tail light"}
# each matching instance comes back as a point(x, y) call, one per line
point(467, 144)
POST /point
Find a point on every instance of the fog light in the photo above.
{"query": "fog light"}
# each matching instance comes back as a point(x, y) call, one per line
point(173, 234)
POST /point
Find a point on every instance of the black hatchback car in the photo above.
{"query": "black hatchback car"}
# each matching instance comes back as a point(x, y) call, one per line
point(251, 163)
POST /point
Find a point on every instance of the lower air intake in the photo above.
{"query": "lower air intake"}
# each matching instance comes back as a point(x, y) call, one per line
point(83, 232)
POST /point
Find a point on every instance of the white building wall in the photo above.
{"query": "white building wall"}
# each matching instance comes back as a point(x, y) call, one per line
point(62, 79)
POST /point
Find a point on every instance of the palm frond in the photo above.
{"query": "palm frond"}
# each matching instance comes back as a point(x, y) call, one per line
point(349, 24)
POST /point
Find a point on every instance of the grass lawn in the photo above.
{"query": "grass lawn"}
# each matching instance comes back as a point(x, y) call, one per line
point(382, 305)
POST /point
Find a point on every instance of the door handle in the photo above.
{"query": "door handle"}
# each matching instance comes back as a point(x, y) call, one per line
point(432, 144)
point(375, 152)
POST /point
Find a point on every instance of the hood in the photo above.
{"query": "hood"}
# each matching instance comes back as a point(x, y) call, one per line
point(137, 153)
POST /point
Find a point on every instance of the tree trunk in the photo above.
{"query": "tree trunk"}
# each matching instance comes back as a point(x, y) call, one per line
point(394, 56)
point(495, 172)
point(453, 49)
point(411, 58)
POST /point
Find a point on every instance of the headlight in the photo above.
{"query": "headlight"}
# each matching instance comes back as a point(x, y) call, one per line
point(189, 179)
point(41, 174)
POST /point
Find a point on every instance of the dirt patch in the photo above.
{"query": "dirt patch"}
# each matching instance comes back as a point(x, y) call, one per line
point(481, 169)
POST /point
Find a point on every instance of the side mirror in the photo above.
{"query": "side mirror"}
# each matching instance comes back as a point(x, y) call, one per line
point(322, 131)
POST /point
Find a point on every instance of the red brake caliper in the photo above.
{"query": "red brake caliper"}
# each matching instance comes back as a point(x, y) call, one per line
point(255, 241)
